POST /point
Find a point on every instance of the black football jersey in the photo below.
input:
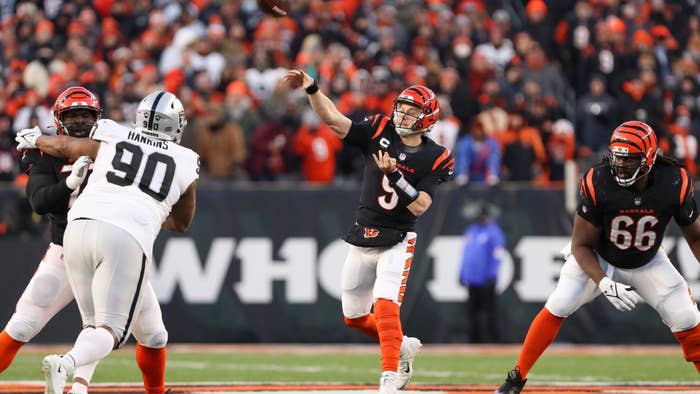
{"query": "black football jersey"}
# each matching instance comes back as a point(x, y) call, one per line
point(47, 190)
point(424, 166)
point(633, 224)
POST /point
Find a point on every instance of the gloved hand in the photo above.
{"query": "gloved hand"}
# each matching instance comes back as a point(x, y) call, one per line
point(26, 139)
point(78, 173)
point(620, 295)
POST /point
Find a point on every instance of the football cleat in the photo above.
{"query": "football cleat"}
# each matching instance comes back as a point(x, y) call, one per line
point(513, 385)
point(387, 383)
point(57, 371)
point(409, 349)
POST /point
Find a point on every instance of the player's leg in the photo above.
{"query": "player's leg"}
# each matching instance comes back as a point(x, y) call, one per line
point(151, 335)
point(47, 293)
point(357, 280)
point(119, 269)
point(393, 269)
point(574, 289)
point(661, 285)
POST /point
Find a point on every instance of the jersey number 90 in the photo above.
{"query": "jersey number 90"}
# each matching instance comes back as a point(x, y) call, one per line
point(130, 170)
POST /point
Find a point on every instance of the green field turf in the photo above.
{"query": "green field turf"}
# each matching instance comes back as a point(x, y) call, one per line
point(362, 368)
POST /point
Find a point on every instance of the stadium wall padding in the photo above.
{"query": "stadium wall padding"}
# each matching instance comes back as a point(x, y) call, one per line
point(263, 265)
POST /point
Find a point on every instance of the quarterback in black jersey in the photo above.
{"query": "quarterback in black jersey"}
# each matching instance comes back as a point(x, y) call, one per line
point(624, 207)
point(402, 169)
point(53, 185)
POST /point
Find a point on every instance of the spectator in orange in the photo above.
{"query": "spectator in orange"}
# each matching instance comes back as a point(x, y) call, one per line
point(317, 146)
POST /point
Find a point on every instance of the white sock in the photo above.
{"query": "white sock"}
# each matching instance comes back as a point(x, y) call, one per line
point(79, 388)
point(85, 372)
point(91, 345)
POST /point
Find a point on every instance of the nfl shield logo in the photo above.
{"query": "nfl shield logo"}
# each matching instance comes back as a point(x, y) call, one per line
point(402, 156)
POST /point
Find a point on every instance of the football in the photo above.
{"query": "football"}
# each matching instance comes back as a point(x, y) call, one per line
point(276, 8)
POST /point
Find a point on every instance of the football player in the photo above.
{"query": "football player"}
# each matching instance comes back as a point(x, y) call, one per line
point(142, 180)
point(53, 185)
point(624, 206)
point(402, 169)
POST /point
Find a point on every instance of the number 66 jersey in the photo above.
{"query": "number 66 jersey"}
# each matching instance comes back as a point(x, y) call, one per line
point(632, 223)
point(135, 182)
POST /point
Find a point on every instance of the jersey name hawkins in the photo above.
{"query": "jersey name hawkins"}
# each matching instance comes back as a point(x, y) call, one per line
point(138, 137)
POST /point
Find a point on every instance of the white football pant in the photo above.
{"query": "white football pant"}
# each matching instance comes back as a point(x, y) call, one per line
point(373, 273)
point(658, 283)
point(108, 272)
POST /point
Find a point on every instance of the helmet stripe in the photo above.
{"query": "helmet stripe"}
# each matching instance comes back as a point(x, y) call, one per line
point(628, 142)
point(152, 115)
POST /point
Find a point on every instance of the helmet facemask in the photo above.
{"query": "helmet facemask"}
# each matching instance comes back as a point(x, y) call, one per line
point(79, 123)
point(627, 168)
point(407, 118)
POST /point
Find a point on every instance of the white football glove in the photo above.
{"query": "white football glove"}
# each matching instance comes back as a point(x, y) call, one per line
point(26, 139)
point(620, 295)
point(78, 173)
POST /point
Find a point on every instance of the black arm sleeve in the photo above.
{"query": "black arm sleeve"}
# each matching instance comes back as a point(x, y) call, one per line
point(47, 194)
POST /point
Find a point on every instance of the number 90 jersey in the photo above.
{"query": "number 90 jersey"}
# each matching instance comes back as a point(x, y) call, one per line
point(633, 224)
point(424, 166)
point(135, 182)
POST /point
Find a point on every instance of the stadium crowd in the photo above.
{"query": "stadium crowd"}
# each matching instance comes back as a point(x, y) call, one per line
point(524, 86)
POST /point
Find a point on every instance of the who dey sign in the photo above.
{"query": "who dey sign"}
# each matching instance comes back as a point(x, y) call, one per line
point(300, 264)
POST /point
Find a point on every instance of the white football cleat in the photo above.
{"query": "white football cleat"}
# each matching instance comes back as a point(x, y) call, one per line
point(57, 371)
point(387, 383)
point(410, 347)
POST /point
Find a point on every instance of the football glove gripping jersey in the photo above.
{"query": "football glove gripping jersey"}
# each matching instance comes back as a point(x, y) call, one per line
point(78, 172)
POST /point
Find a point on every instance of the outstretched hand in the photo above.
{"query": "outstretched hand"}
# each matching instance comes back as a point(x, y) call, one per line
point(298, 78)
point(386, 163)
point(26, 139)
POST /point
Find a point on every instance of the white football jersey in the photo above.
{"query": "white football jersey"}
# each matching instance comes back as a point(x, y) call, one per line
point(135, 182)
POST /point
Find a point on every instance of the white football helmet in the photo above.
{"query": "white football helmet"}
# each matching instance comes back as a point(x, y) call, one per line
point(161, 115)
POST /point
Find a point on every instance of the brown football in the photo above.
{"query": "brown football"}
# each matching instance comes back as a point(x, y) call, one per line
point(276, 8)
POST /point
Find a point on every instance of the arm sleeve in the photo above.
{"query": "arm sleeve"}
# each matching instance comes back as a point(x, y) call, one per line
point(587, 202)
point(687, 210)
point(46, 193)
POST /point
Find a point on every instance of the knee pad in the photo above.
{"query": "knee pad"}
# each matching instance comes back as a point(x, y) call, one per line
point(150, 333)
point(678, 311)
point(690, 343)
point(22, 329)
point(561, 304)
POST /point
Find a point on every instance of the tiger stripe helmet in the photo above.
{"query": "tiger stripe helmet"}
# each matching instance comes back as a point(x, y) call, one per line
point(632, 140)
point(423, 98)
point(75, 97)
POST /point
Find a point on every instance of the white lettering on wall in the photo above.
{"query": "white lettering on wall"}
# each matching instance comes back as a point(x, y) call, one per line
point(304, 269)
point(258, 270)
point(180, 265)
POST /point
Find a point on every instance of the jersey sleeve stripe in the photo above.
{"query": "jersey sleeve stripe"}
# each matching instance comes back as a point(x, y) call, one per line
point(382, 124)
point(449, 164)
point(582, 187)
point(374, 119)
point(445, 154)
point(684, 186)
point(589, 186)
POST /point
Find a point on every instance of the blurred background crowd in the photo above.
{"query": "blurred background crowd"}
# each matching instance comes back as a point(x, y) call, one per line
point(524, 86)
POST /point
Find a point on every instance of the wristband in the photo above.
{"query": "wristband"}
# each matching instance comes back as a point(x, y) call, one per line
point(405, 190)
point(313, 88)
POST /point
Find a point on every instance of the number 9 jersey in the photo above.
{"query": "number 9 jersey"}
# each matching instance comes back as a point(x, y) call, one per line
point(135, 182)
point(633, 224)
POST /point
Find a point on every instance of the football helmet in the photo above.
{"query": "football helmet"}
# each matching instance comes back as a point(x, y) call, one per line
point(429, 110)
point(633, 150)
point(71, 99)
point(161, 115)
